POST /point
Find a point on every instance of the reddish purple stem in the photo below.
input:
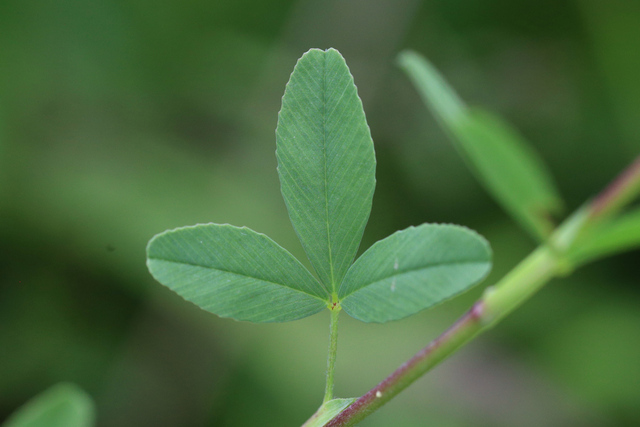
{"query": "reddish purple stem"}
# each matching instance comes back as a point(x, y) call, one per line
point(607, 198)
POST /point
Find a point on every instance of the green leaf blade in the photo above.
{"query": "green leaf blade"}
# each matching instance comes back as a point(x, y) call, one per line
point(63, 405)
point(234, 272)
point(510, 169)
point(506, 165)
point(414, 269)
point(326, 162)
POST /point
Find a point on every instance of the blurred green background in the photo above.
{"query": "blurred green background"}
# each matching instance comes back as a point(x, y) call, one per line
point(122, 118)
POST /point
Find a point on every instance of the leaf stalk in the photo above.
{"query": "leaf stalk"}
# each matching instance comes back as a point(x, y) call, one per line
point(333, 350)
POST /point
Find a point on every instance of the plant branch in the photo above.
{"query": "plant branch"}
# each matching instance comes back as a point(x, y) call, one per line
point(516, 287)
point(620, 192)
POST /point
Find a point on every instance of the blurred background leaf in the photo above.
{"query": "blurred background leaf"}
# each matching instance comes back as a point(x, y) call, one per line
point(121, 119)
point(506, 164)
point(63, 405)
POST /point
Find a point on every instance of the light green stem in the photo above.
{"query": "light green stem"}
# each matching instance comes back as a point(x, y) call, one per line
point(333, 349)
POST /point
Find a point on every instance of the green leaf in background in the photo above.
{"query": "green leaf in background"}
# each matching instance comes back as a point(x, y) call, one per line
point(326, 162)
point(506, 165)
point(616, 235)
point(327, 411)
point(414, 269)
point(235, 272)
point(63, 405)
point(3, 165)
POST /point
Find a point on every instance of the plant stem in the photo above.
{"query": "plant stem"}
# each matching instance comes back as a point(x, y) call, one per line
point(333, 349)
point(515, 288)
point(529, 276)
point(620, 192)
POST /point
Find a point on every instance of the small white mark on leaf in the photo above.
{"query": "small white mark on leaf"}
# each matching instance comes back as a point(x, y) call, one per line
point(395, 264)
point(393, 285)
point(378, 394)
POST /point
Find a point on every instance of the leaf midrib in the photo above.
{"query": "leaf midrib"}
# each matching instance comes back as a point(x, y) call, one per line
point(439, 264)
point(238, 274)
point(324, 152)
